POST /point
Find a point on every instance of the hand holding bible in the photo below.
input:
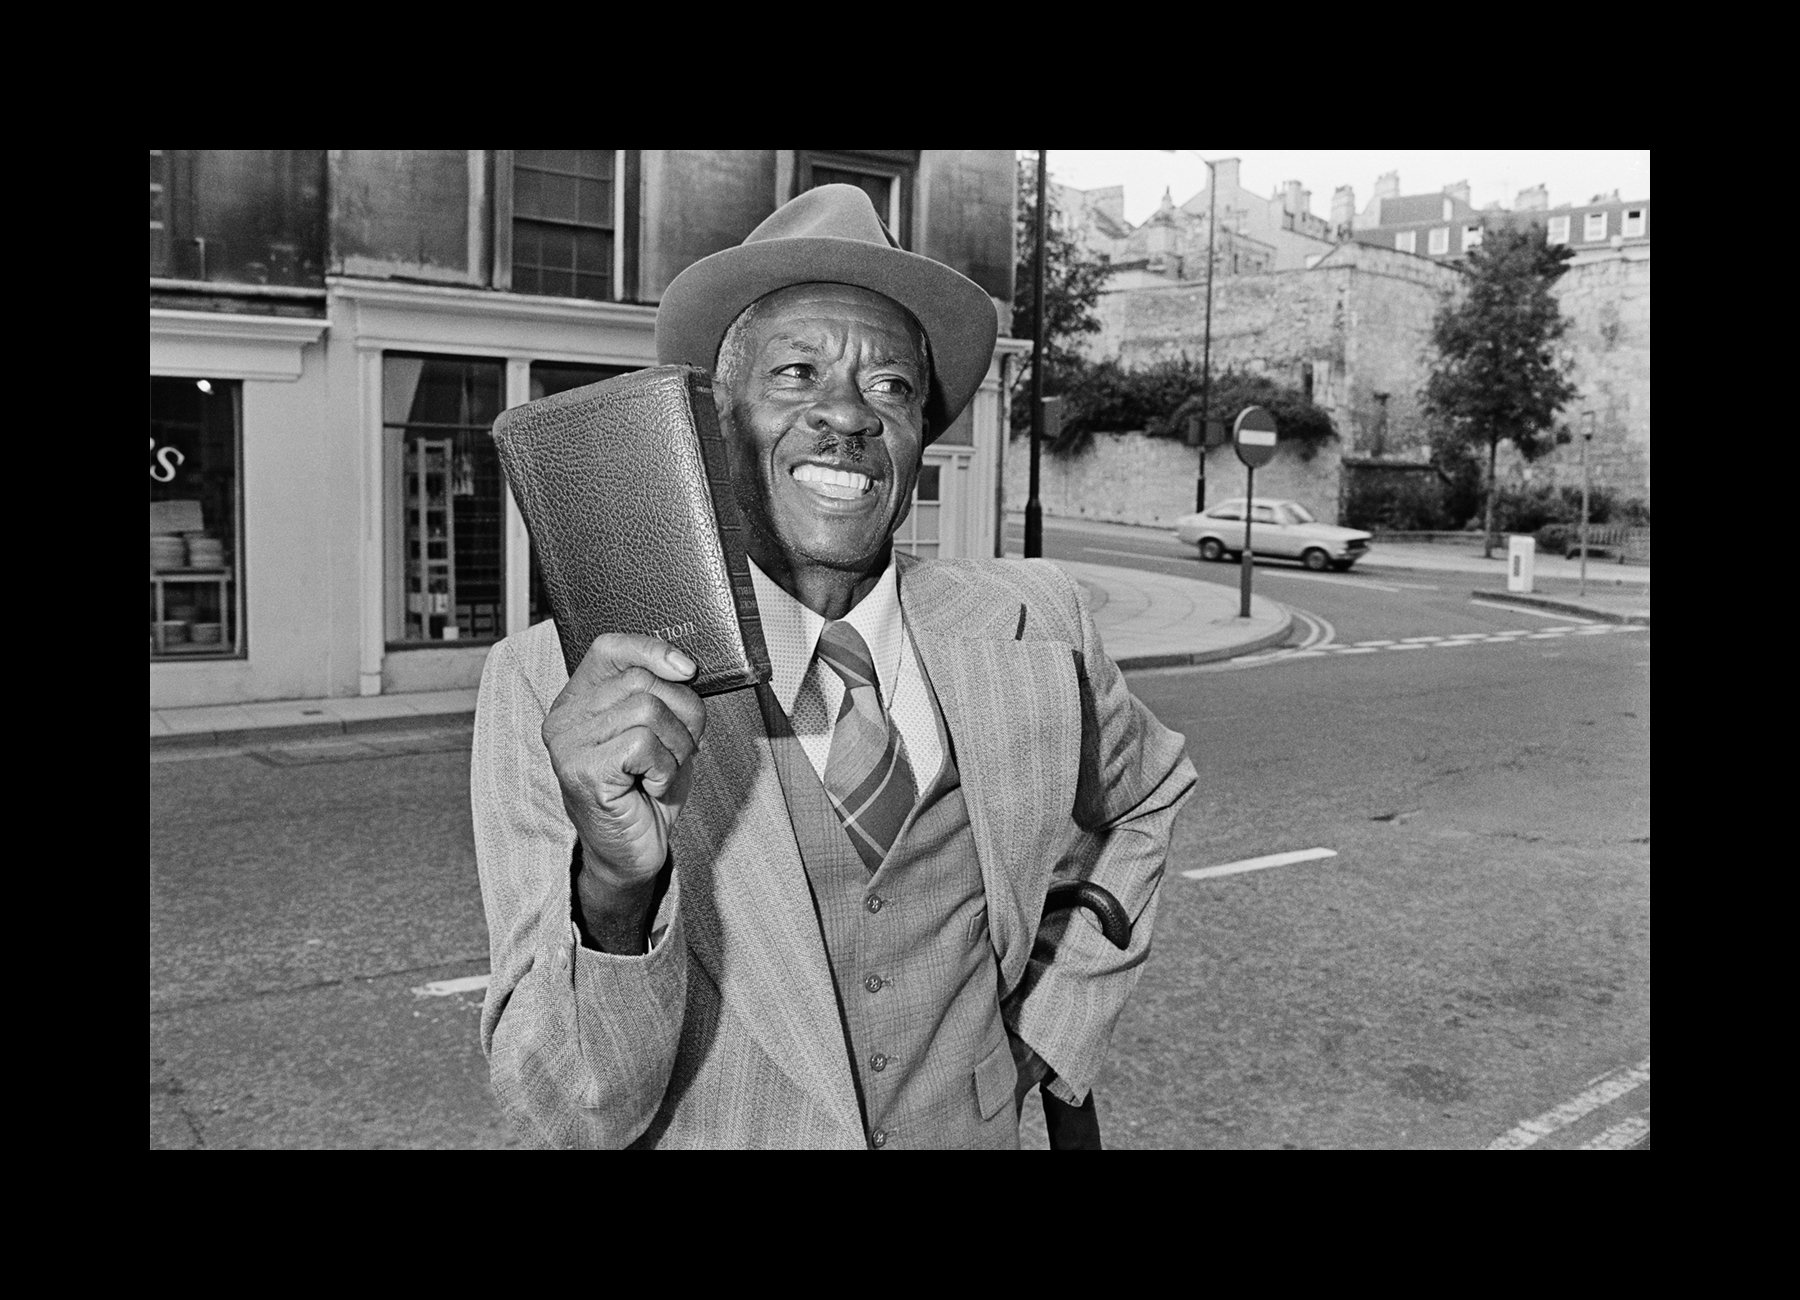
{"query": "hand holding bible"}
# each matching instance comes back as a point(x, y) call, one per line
point(621, 737)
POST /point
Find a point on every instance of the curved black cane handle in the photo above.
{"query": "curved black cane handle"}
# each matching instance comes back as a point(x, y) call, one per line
point(1114, 923)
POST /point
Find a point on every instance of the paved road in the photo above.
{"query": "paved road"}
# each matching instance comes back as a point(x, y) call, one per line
point(1469, 968)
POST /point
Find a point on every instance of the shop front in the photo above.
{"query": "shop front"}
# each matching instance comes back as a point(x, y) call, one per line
point(343, 528)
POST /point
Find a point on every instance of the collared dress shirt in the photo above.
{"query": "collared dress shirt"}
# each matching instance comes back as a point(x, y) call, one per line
point(791, 631)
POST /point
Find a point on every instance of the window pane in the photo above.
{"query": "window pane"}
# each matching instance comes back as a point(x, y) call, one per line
point(927, 489)
point(195, 540)
point(449, 500)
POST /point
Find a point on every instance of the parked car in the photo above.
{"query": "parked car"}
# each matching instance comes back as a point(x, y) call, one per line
point(1280, 528)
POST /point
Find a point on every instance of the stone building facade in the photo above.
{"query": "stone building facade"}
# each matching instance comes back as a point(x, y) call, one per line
point(1354, 330)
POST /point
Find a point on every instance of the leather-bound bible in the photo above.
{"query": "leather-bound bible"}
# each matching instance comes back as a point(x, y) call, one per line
point(625, 486)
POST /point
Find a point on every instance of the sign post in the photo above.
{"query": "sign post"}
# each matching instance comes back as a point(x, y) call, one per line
point(1254, 437)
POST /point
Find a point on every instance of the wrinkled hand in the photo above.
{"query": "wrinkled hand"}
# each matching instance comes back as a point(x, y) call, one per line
point(621, 737)
point(1033, 1069)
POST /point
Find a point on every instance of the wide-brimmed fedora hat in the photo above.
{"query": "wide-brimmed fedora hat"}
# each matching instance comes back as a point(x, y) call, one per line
point(831, 235)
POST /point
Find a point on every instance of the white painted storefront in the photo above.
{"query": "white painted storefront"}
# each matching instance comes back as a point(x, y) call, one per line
point(318, 541)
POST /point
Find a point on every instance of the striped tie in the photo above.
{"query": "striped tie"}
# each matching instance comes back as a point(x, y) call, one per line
point(867, 775)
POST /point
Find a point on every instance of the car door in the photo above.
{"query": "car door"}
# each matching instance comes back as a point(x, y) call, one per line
point(1268, 535)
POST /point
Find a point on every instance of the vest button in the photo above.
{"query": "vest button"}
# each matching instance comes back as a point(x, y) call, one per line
point(879, 1137)
point(878, 1062)
point(873, 902)
point(874, 983)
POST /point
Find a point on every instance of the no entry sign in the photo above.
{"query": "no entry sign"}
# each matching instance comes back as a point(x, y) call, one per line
point(1254, 437)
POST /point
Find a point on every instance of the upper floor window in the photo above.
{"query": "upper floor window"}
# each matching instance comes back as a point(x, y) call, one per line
point(1471, 237)
point(564, 220)
point(1449, 209)
point(1559, 230)
point(1593, 227)
point(885, 176)
point(1438, 243)
point(1407, 241)
point(1634, 223)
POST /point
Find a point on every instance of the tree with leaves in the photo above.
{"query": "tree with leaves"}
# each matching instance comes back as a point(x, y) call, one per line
point(1499, 376)
point(1073, 279)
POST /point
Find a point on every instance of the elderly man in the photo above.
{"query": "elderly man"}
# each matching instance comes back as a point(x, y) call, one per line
point(808, 915)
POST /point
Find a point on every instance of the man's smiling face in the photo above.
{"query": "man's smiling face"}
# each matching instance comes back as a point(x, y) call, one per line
point(823, 408)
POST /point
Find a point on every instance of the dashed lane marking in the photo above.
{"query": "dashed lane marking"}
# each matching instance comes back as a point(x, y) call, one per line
point(1609, 1087)
point(444, 988)
point(1259, 864)
point(1620, 1137)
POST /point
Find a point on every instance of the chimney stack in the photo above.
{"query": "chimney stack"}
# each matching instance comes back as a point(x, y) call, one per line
point(1460, 192)
point(1343, 208)
point(1387, 185)
point(1535, 199)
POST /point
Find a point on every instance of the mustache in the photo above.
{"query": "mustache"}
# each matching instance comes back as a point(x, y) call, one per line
point(851, 446)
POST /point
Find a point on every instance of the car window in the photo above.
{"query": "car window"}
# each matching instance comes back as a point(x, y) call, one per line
point(1299, 514)
point(1230, 510)
point(1264, 515)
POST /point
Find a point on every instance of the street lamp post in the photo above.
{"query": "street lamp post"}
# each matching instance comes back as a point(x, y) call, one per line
point(1212, 208)
point(1587, 436)
point(1034, 510)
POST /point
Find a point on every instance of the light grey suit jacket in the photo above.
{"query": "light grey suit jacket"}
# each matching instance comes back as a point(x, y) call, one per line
point(726, 1034)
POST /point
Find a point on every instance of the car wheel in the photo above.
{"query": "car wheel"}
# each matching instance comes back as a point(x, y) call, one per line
point(1210, 549)
point(1316, 560)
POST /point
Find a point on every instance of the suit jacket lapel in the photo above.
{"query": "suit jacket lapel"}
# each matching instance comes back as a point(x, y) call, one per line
point(1013, 710)
point(748, 910)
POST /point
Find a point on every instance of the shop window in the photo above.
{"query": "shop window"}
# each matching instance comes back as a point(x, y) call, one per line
point(446, 500)
point(1559, 230)
point(919, 533)
point(1634, 223)
point(1407, 241)
point(564, 222)
point(1438, 242)
point(196, 539)
point(885, 176)
point(548, 379)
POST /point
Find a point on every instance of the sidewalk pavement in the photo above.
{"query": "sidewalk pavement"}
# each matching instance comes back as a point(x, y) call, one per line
point(1146, 620)
point(1616, 593)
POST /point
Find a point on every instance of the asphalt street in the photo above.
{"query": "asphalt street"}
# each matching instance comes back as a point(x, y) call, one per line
point(1450, 952)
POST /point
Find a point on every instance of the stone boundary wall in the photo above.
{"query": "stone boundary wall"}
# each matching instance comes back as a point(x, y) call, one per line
point(1130, 478)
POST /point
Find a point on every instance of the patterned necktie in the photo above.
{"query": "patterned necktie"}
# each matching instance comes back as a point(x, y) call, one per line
point(867, 775)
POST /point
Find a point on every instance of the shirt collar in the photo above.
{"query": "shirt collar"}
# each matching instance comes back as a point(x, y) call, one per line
point(791, 632)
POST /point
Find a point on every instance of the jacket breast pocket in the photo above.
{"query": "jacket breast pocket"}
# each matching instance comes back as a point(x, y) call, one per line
point(995, 1079)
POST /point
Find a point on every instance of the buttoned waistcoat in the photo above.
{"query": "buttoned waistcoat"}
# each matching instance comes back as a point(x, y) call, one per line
point(727, 1034)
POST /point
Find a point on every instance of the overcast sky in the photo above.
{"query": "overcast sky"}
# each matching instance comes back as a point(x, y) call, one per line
point(1572, 175)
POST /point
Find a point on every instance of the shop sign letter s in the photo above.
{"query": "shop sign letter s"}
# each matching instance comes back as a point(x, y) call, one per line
point(168, 460)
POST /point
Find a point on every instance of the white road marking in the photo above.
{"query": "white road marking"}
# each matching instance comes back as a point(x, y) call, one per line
point(1419, 640)
point(1258, 864)
point(1374, 643)
point(1620, 1137)
point(444, 988)
point(1358, 649)
point(1407, 645)
point(1609, 1088)
point(1526, 609)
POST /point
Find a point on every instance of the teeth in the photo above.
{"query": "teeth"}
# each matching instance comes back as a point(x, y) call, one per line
point(833, 482)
